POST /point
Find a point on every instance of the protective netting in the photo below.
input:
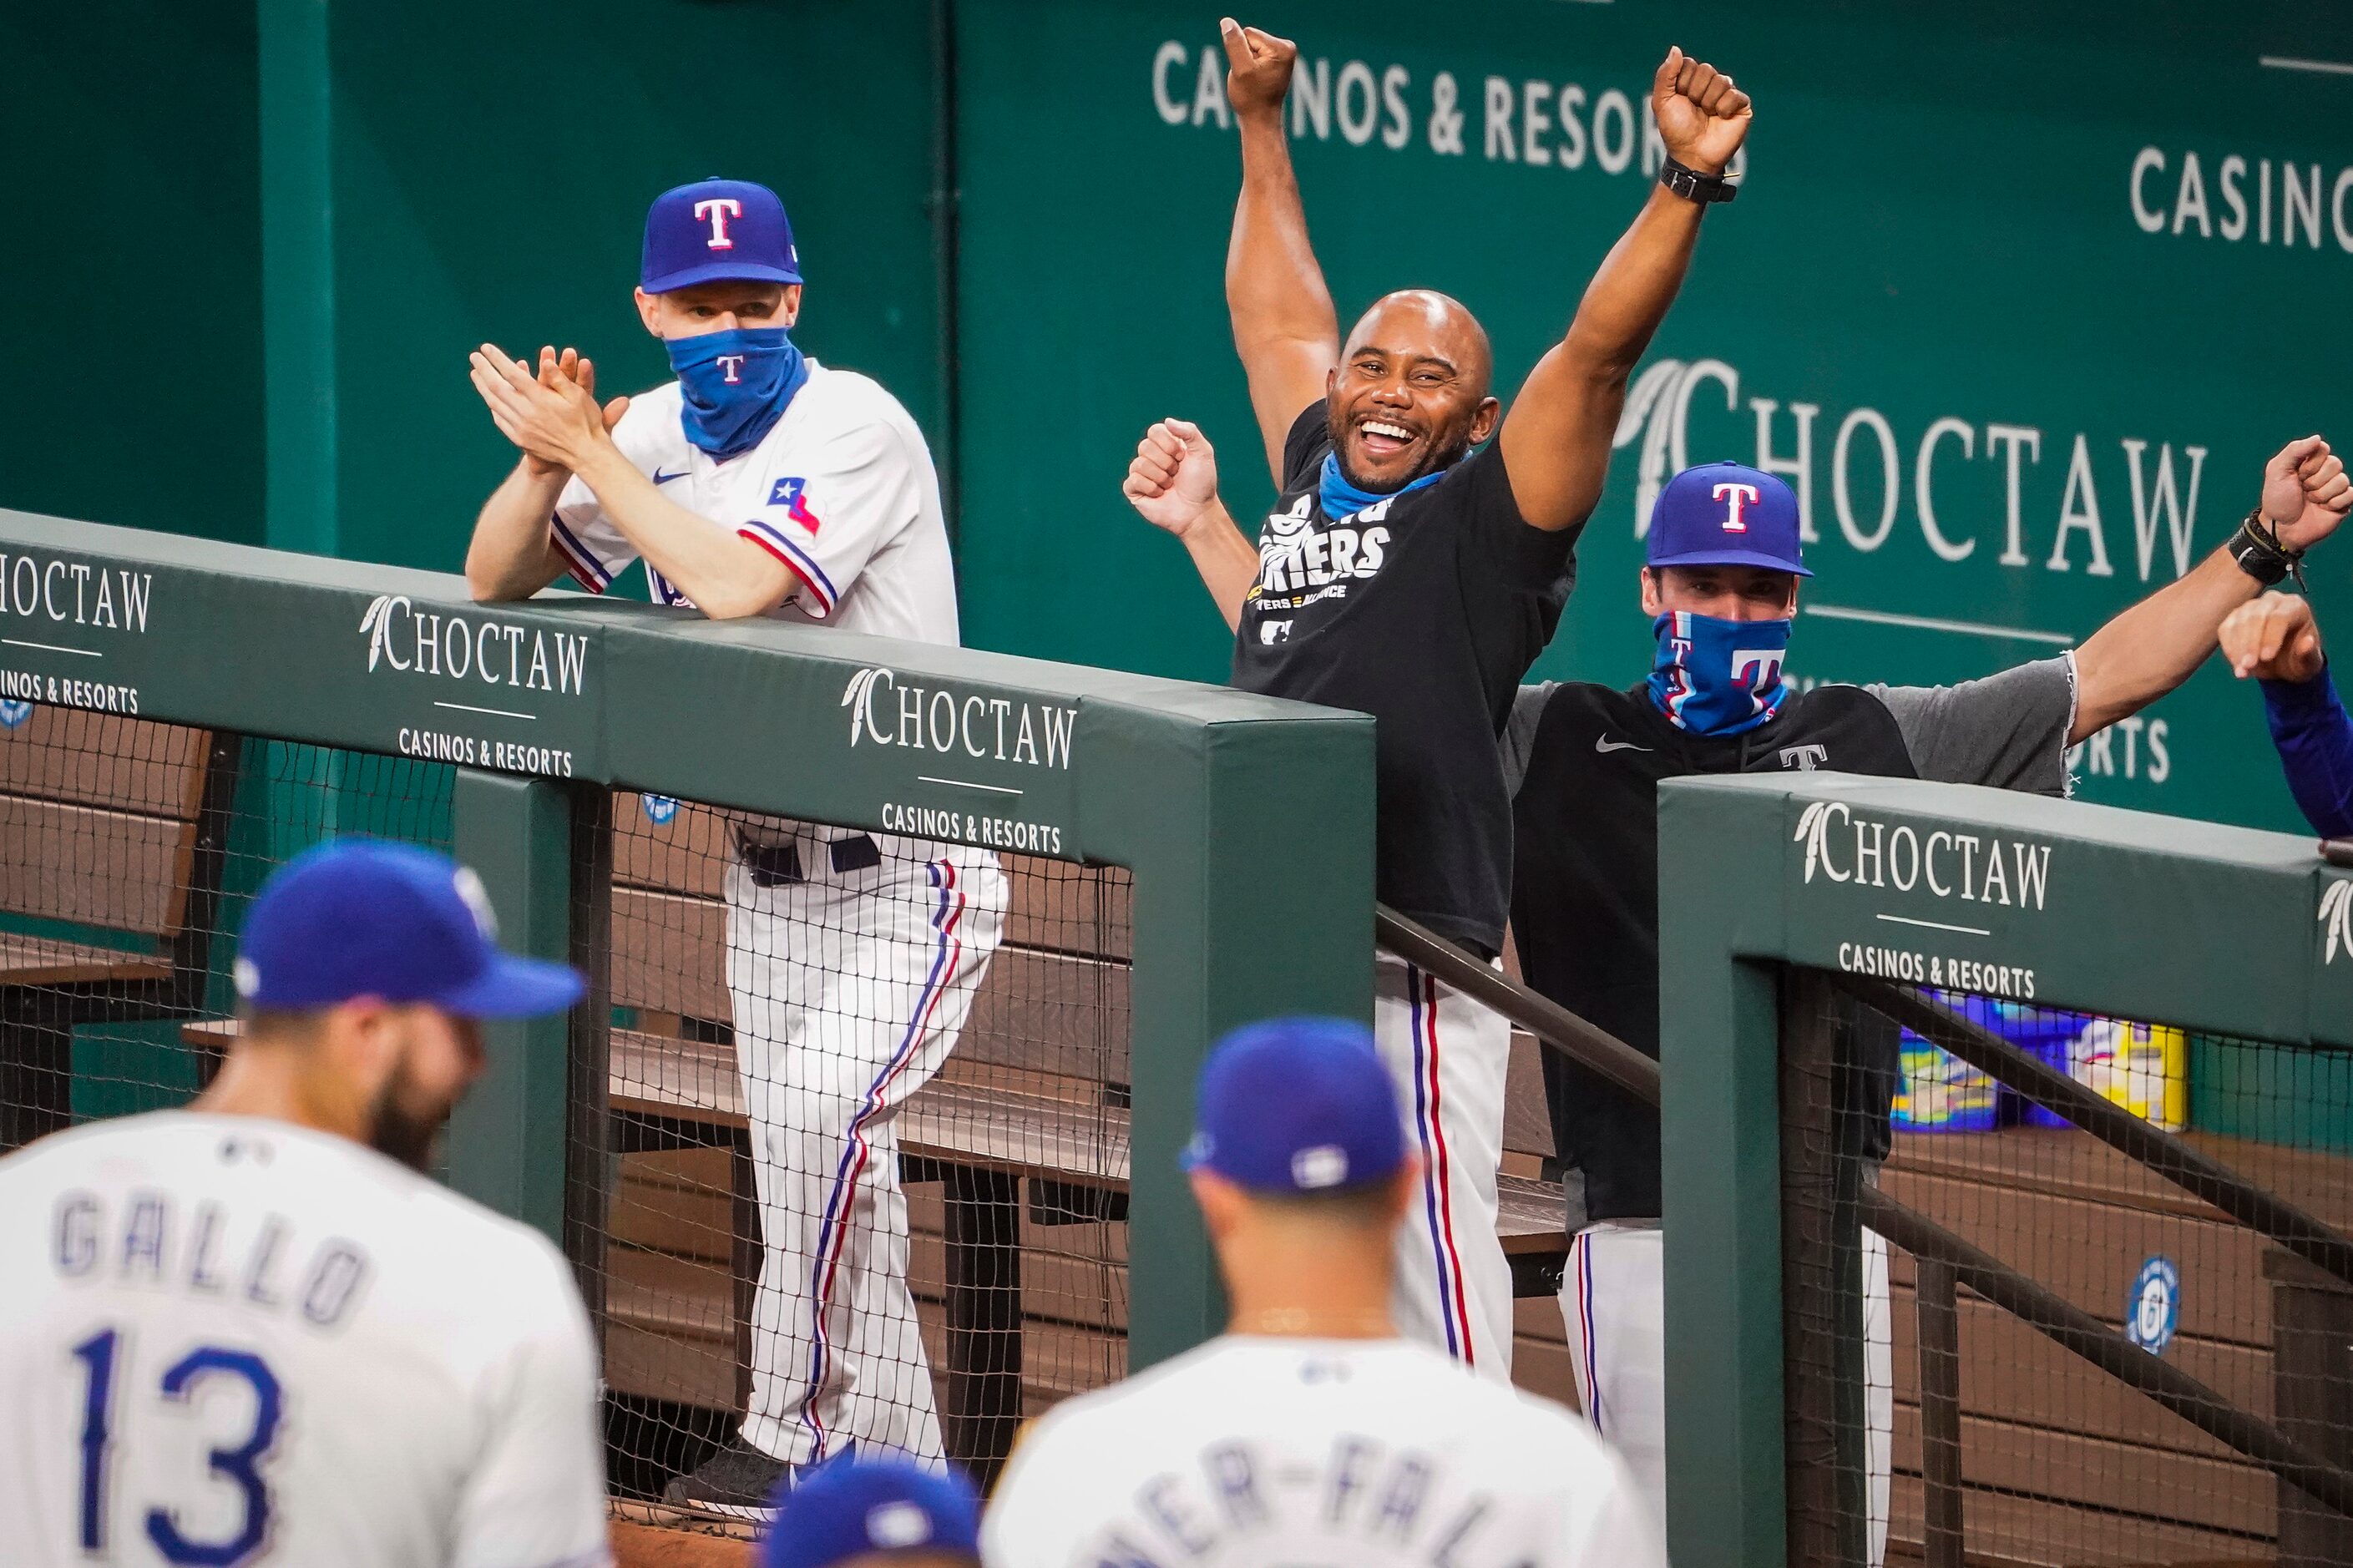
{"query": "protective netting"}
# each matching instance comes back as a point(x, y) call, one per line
point(849, 1111)
point(2076, 1294)
point(128, 851)
point(867, 1130)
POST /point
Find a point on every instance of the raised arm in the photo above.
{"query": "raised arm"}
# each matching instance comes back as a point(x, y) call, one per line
point(1284, 326)
point(1556, 440)
point(2152, 648)
point(1173, 483)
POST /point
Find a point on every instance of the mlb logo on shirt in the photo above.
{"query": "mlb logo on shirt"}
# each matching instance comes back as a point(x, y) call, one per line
point(787, 494)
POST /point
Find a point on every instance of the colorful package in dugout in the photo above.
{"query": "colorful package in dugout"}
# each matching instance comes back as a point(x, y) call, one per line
point(2144, 1068)
point(1938, 1092)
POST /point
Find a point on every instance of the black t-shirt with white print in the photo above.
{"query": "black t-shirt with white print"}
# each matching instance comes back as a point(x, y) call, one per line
point(1424, 610)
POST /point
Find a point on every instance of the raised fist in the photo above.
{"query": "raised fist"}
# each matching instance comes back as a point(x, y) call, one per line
point(2305, 492)
point(1173, 478)
point(2273, 638)
point(1261, 73)
point(1703, 118)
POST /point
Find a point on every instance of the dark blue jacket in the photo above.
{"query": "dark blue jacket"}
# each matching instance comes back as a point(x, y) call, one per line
point(2314, 738)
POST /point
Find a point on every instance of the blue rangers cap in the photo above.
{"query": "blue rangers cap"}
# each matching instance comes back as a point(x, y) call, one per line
point(860, 1508)
point(358, 917)
point(1297, 1105)
point(1726, 514)
point(716, 229)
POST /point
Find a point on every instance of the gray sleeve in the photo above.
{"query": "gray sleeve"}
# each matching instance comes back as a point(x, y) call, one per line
point(1520, 731)
point(2009, 731)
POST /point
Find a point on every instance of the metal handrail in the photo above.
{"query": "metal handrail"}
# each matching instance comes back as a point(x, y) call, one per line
point(2163, 1154)
point(2063, 1323)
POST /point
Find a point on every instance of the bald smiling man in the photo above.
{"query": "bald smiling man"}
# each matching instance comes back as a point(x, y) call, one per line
point(1413, 569)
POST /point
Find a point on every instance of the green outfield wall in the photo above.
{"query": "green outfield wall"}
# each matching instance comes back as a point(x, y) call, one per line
point(2019, 297)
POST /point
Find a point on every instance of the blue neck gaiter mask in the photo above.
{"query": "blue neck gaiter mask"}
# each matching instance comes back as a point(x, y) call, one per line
point(1714, 677)
point(1340, 499)
point(737, 384)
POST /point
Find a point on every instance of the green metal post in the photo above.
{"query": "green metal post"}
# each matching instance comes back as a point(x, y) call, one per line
point(1218, 943)
point(507, 1141)
point(1720, 1139)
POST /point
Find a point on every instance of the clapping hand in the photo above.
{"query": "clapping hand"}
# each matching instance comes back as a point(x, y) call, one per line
point(553, 416)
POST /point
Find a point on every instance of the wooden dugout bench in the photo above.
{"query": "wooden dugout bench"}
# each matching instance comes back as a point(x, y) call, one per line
point(107, 825)
point(1025, 1128)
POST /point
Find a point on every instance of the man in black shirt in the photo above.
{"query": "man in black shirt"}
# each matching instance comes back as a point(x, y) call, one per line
point(1403, 574)
point(1585, 761)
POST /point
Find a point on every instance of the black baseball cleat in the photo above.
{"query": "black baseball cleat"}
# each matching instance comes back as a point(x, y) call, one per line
point(739, 1481)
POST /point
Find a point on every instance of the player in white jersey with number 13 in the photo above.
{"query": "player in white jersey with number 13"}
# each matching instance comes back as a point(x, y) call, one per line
point(1311, 1433)
point(254, 1331)
point(762, 483)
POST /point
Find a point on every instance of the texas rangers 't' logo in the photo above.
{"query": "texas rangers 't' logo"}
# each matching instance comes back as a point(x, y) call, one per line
point(719, 209)
point(730, 364)
point(1735, 495)
point(1755, 667)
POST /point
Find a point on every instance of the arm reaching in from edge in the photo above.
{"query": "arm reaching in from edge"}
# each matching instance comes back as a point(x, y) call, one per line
point(1284, 326)
point(1557, 437)
point(1173, 482)
point(2147, 650)
point(2275, 640)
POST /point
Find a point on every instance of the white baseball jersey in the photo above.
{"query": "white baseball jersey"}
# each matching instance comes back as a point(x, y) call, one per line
point(230, 1341)
point(1266, 1453)
point(842, 490)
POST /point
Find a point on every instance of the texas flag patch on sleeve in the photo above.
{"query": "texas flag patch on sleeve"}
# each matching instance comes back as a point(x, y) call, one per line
point(787, 494)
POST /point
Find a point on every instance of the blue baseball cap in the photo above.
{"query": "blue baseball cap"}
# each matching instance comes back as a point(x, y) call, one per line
point(1724, 514)
point(1297, 1105)
point(856, 1508)
point(358, 917)
point(715, 229)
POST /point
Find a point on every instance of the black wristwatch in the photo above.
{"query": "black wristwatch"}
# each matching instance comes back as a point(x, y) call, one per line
point(1694, 186)
point(2257, 549)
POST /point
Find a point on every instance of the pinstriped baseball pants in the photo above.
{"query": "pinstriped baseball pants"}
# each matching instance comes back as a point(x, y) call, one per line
point(1613, 1301)
point(1448, 1056)
point(849, 989)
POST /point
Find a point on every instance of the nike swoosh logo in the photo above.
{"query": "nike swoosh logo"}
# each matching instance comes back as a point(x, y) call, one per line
point(662, 478)
point(1605, 745)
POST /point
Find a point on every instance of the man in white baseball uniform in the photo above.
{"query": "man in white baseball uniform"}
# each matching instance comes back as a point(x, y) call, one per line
point(255, 1327)
point(1310, 1432)
point(762, 483)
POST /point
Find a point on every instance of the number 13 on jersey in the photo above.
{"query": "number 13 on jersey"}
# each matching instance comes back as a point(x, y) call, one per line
point(112, 1410)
